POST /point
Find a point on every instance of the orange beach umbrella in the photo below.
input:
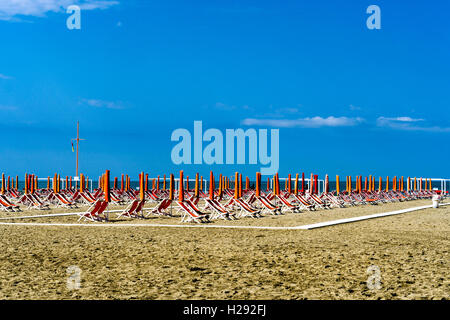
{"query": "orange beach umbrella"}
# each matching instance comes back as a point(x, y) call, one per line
point(180, 187)
point(107, 189)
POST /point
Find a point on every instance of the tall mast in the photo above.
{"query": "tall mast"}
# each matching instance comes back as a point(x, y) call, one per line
point(78, 144)
point(78, 141)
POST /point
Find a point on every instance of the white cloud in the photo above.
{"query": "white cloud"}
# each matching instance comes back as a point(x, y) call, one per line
point(10, 9)
point(314, 122)
point(399, 119)
point(5, 77)
point(408, 124)
point(102, 104)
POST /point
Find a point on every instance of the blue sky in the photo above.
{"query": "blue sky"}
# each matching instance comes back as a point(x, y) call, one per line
point(347, 100)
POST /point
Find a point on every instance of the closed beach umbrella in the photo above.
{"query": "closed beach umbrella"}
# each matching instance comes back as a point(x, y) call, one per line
point(303, 183)
point(107, 191)
point(289, 189)
point(236, 185)
point(141, 186)
point(196, 190)
point(337, 185)
point(258, 184)
point(3, 183)
point(240, 185)
point(180, 187)
point(211, 185)
point(220, 186)
point(171, 187)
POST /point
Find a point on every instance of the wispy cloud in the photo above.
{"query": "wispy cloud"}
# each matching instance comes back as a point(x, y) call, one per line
point(9, 10)
point(102, 104)
point(408, 124)
point(398, 119)
point(354, 108)
point(5, 77)
point(314, 122)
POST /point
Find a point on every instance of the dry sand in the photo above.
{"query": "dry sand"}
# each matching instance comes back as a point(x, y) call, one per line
point(411, 251)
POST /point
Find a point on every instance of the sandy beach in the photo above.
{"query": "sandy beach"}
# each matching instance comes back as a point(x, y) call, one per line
point(410, 250)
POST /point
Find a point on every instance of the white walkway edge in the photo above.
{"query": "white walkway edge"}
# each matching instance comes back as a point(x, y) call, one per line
point(304, 227)
point(371, 216)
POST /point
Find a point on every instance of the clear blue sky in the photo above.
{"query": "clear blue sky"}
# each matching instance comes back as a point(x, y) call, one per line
point(137, 70)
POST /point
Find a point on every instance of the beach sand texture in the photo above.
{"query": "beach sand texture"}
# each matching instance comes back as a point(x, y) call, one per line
point(411, 250)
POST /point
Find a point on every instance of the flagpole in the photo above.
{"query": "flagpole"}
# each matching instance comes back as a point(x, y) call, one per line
point(78, 140)
point(78, 144)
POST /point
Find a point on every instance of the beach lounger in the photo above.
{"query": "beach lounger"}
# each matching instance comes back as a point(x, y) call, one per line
point(246, 210)
point(303, 203)
point(190, 212)
point(94, 211)
point(5, 205)
point(219, 211)
point(161, 208)
point(286, 204)
point(62, 201)
point(267, 205)
point(132, 210)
